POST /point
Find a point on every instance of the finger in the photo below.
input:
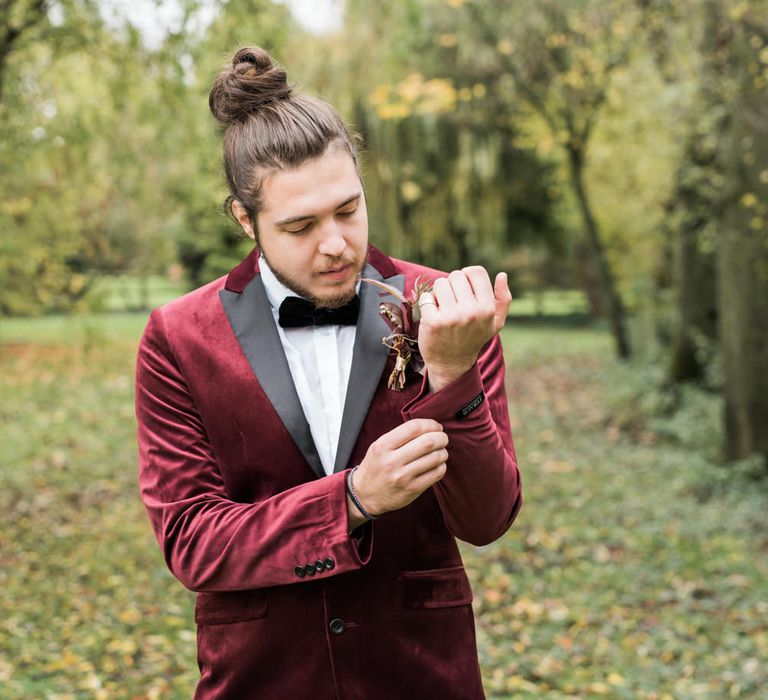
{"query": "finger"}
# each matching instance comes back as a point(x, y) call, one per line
point(462, 290)
point(406, 432)
point(420, 446)
point(443, 294)
point(481, 283)
point(502, 299)
point(429, 478)
point(427, 306)
point(426, 463)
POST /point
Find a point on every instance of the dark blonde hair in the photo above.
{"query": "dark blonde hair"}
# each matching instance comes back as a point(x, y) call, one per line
point(268, 126)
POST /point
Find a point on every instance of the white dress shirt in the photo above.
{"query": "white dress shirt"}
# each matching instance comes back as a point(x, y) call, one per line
point(320, 358)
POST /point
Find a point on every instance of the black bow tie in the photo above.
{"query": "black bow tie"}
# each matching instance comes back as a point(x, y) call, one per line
point(298, 313)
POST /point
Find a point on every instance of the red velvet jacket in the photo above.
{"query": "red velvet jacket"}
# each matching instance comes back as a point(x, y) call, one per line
point(291, 606)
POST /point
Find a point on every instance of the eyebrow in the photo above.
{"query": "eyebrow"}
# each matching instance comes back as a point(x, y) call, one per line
point(304, 217)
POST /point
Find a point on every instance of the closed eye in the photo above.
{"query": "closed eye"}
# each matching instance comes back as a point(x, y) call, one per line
point(301, 229)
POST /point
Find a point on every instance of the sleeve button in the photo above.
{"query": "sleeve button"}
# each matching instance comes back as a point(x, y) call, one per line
point(309, 570)
point(329, 563)
point(337, 625)
point(299, 571)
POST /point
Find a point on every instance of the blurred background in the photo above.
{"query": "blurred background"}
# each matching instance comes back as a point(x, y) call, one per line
point(611, 155)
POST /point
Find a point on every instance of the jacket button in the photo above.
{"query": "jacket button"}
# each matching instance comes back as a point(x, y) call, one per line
point(309, 569)
point(299, 571)
point(319, 566)
point(337, 625)
point(329, 563)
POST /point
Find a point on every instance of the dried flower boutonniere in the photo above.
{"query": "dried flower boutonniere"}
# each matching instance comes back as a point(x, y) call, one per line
point(403, 322)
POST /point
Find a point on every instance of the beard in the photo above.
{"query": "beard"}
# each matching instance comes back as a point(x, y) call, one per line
point(333, 300)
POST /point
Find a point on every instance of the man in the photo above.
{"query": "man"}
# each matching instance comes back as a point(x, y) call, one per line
point(313, 508)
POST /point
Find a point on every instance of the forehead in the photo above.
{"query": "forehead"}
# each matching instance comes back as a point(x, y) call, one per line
point(318, 184)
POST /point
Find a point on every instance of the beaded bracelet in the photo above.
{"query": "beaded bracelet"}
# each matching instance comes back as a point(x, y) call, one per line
point(355, 499)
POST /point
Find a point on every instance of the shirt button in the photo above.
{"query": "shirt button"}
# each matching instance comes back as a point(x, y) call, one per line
point(329, 563)
point(299, 571)
point(337, 625)
point(309, 569)
point(319, 566)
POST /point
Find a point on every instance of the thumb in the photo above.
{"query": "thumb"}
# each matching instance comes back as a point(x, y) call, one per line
point(502, 299)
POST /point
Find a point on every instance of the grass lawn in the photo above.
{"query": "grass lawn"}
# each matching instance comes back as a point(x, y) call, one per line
point(635, 570)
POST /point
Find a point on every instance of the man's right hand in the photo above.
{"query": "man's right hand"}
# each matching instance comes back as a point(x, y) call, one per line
point(400, 466)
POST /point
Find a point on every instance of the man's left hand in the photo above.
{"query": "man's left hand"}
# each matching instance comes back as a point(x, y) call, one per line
point(458, 317)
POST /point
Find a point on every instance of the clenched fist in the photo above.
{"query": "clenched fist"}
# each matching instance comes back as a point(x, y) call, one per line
point(458, 317)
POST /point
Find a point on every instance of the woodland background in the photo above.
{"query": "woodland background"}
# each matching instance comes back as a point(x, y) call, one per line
point(611, 155)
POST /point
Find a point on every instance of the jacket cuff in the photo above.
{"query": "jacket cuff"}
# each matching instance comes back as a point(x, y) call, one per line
point(359, 542)
point(457, 400)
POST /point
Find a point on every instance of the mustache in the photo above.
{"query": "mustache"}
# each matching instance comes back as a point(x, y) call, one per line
point(343, 261)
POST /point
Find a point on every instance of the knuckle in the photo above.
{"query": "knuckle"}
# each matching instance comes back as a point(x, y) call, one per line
point(424, 425)
point(431, 443)
point(400, 480)
point(376, 449)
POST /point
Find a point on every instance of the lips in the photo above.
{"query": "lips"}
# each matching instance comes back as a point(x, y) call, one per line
point(337, 274)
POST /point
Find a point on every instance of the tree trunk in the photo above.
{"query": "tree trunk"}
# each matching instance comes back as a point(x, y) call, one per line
point(744, 268)
point(700, 203)
point(697, 306)
point(696, 264)
point(616, 313)
point(583, 265)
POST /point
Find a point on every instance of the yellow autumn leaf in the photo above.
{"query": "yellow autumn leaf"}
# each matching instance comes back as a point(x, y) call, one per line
point(600, 688)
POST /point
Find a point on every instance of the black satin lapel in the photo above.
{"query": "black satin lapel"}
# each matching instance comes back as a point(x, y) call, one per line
point(368, 360)
point(251, 319)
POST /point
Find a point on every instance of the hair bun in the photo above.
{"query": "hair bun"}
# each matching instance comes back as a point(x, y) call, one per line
point(241, 89)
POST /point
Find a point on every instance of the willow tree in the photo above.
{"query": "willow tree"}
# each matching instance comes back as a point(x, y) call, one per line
point(448, 183)
point(560, 57)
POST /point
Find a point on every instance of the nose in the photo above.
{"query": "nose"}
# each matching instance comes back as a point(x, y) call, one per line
point(332, 242)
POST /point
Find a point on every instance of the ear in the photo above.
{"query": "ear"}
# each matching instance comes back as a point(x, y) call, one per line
point(240, 213)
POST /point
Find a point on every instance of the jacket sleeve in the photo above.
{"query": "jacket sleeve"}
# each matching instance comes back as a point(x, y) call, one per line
point(480, 494)
point(210, 542)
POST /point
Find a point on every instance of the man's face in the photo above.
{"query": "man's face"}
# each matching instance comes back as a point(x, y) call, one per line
point(313, 227)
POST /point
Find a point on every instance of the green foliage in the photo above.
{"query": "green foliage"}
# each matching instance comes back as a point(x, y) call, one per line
point(108, 161)
point(79, 203)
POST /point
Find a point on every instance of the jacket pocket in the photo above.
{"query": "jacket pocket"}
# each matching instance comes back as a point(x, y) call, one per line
point(231, 606)
point(435, 588)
